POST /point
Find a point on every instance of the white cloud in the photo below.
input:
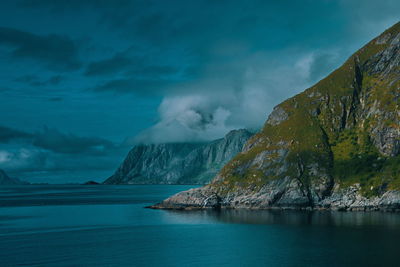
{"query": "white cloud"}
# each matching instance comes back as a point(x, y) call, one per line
point(208, 110)
point(188, 118)
point(4, 156)
point(22, 159)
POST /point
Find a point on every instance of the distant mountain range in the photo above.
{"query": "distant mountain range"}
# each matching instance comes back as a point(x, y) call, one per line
point(6, 180)
point(334, 146)
point(178, 163)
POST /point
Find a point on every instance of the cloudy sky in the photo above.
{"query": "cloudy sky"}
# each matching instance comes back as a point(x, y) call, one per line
point(84, 80)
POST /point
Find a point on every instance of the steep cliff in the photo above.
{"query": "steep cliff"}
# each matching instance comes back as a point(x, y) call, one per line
point(178, 163)
point(335, 145)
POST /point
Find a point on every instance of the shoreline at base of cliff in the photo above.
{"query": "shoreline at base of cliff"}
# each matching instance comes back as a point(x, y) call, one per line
point(339, 199)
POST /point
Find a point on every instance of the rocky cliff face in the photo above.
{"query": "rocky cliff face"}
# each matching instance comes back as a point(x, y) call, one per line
point(6, 180)
point(336, 145)
point(179, 163)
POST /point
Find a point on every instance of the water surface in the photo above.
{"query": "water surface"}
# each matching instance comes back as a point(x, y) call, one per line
point(70, 225)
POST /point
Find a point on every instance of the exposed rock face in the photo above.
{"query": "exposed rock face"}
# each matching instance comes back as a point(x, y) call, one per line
point(6, 180)
point(334, 146)
point(280, 194)
point(179, 163)
point(277, 116)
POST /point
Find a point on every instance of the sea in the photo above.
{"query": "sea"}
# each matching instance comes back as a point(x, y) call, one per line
point(107, 225)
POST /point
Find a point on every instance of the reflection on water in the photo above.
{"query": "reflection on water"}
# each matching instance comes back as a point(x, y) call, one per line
point(288, 217)
point(109, 226)
point(333, 218)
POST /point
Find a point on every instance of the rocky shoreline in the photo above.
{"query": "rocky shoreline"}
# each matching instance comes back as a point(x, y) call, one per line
point(341, 199)
point(334, 146)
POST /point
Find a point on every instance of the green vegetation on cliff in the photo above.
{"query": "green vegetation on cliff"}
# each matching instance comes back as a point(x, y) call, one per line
point(344, 129)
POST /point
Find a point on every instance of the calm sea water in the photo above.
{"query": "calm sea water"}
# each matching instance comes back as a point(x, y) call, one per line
point(108, 226)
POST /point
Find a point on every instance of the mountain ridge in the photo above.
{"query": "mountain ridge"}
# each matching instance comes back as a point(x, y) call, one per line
point(178, 163)
point(336, 145)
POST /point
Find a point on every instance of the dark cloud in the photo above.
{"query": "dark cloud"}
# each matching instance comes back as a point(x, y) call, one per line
point(72, 4)
point(9, 134)
point(213, 66)
point(56, 99)
point(117, 63)
point(55, 51)
point(53, 153)
point(134, 66)
point(56, 141)
point(36, 81)
point(136, 86)
point(28, 79)
point(32, 163)
point(55, 80)
point(156, 71)
point(23, 159)
point(116, 13)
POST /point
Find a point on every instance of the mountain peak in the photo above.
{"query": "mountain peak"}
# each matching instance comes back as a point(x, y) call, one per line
point(335, 145)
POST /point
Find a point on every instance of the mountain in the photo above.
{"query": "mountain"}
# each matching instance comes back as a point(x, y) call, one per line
point(6, 180)
point(178, 163)
point(334, 146)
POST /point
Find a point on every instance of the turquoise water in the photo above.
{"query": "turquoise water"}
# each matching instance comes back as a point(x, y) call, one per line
point(107, 226)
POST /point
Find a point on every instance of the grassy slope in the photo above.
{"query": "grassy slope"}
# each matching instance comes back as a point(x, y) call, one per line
point(325, 125)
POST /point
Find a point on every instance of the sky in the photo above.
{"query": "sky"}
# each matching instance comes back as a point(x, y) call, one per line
point(82, 81)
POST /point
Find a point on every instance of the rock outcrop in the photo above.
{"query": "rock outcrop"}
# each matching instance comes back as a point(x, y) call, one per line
point(334, 146)
point(179, 163)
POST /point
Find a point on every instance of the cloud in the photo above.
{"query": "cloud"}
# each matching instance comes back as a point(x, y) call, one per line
point(214, 72)
point(36, 81)
point(9, 134)
point(50, 151)
point(370, 17)
point(28, 161)
point(142, 79)
point(115, 13)
point(156, 71)
point(186, 119)
point(56, 52)
point(316, 64)
point(55, 99)
point(138, 86)
point(208, 110)
point(22, 159)
point(56, 141)
point(55, 80)
point(62, 5)
point(113, 65)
